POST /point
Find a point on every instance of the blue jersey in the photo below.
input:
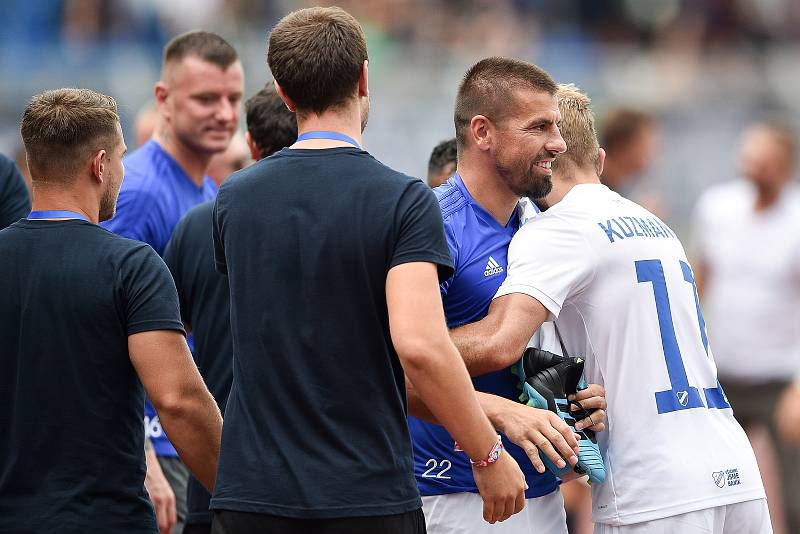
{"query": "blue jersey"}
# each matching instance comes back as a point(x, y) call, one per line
point(479, 248)
point(155, 194)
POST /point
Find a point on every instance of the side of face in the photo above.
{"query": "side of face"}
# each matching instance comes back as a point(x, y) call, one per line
point(526, 142)
point(112, 177)
point(202, 104)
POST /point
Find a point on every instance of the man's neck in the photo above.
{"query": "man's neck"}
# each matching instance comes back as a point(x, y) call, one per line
point(767, 197)
point(65, 199)
point(193, 163)
point(564, 181)
point(487, 187)
point(346, 121)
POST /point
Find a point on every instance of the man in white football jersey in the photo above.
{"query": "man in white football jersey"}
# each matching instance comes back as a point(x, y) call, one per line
point(616, 281)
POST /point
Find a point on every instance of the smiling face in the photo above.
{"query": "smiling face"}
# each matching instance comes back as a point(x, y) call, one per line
point(203, 103)
point(527, 142)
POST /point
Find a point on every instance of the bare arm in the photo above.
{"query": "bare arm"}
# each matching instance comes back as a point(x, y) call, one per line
point(187, 410)
point(432, 363)
point(498, 340)
point(700, 269)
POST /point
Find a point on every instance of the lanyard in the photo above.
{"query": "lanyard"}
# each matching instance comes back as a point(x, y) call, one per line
point(332, 136)
point(57, 214)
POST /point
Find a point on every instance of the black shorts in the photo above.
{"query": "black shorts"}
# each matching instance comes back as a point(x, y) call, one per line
point(229, 522)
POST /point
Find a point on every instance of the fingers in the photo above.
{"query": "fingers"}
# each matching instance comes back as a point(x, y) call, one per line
point(533, 454)
point(519, 503)
point(488, 511)
point(595, 421)
point(172, 513)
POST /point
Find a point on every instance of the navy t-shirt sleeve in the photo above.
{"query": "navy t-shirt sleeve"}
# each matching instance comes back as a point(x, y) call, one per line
point(150, 300)
point(15, 203)
point(174, 257)
point(219, 250)
point(420, 231)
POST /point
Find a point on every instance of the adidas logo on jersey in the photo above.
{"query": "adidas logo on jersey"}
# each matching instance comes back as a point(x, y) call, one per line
point(492, 267)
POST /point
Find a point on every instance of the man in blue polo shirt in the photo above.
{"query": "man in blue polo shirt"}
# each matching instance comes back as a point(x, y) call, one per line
point(498, 161)
point(198, 99)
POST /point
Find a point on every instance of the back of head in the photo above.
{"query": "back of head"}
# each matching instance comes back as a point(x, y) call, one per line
point(577, 129)
point(489, 88)
point(62, 129)
point(270, 123)
point(207, 46)
point(316, 55)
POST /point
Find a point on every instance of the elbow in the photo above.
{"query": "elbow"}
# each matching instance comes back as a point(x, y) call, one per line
point(172, 405)
point(500, 354)
point(417, 353)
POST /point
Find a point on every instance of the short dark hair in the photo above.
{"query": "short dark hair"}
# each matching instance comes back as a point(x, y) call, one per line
point(270, 123)
point(443, 154)
point(316, 55)
point(622, 125)
point(488, 89)
point(61, 128)
point(205, 45)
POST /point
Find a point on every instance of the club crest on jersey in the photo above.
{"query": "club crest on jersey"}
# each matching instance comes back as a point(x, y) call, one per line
point(719, 478)
point(683, 397)
point(492, 267)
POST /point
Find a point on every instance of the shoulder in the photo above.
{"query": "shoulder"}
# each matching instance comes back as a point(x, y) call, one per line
point(719, 197)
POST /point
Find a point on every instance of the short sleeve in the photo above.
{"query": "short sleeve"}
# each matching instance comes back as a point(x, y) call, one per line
point(175, 257)
point(150, 297)
point(549, 260)
point(219, 249)
point(15, 202)
point(420, 231)
point(452, 245)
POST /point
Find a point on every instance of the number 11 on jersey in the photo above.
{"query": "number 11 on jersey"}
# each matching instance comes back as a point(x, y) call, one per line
point(681, 395)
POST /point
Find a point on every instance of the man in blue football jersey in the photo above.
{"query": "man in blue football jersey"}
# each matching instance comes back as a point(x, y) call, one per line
point(198, 99)
point(505, 118)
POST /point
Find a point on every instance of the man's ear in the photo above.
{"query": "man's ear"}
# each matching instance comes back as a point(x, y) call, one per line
point(99, 165)
point(284, 97)
point(363, 80)
point(601, 161)
point(481, 130)
point(161, 92)
point(255, 152)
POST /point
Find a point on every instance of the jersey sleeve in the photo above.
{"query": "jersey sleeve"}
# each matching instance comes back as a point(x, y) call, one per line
point(549, 260)
point(420, 234)
point(452, 246)
point(150, 297)
point(15, 202)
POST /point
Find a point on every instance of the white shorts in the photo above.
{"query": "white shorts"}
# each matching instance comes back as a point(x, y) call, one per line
point(749, 517)
point(462, 513)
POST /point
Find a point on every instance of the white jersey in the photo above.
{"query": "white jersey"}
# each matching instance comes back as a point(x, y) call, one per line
point(619, 287)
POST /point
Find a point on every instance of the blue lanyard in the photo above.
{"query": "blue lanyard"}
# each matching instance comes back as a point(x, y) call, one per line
point(57, 214)
point(332, 136)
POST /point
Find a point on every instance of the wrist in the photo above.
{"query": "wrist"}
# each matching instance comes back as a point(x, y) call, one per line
point(491, 457)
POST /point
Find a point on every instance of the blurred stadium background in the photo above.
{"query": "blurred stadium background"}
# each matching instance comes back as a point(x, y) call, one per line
point(702, 67)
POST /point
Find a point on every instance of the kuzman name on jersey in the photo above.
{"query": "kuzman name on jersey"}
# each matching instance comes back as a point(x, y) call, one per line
point(626, 227)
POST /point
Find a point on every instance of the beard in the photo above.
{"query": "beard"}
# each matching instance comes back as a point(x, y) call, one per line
point(524, 178)
point(108, 202)
point(364, 113)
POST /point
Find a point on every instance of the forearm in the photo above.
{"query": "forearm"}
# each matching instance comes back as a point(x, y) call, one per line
point(195, 430)
point(483, 348)
point(492, 405)
point(444, 388)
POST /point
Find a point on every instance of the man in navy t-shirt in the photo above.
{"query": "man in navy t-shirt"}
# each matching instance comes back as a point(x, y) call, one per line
point(87, 318)
point(333, 261)
point(482, 210)
point(198, 100)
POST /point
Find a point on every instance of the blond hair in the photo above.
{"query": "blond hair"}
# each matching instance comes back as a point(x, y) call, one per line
point(61, 129)
point(577, 128)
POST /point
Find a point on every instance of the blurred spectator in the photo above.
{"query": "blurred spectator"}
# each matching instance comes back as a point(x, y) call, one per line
point(442, 163)
point(629, 138)
point(235, 157)
point(15, 202)
point(748, 271)
point(145, 124)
